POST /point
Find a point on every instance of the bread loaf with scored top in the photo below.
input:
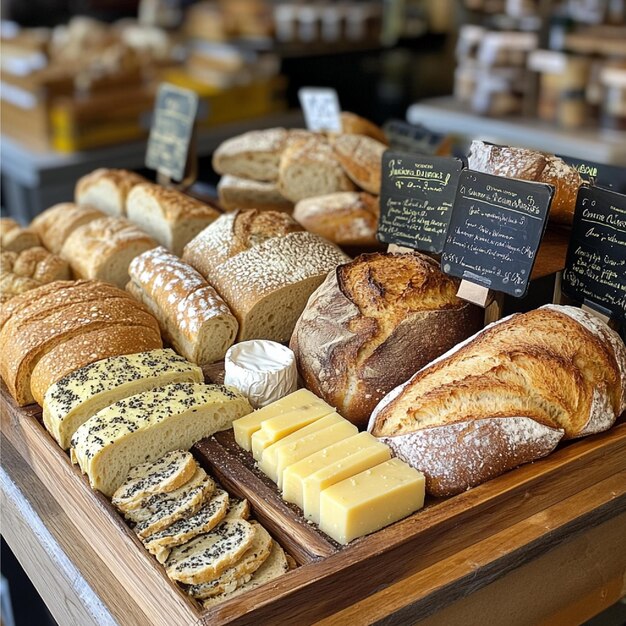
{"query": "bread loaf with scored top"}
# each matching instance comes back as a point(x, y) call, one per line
point(107, 189)
point(361, 159)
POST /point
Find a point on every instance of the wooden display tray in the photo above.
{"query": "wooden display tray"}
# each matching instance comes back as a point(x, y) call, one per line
point(329, 578)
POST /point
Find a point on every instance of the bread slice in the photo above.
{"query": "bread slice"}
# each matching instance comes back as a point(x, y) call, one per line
point(239, 573)
point(308, 167)
point(206, 557)
point(238, 509)
point(243, 193)
point(166, 474)
point(147, 425)
point(107, 189)
point(274, 566)
point(88, 348)
point(57, 223)
point(14, 238)
point(361, 159)
point(171, 217)
point(72, 400)
point(192, 316)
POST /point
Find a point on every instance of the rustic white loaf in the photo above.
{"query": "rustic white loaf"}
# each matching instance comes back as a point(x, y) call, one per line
point(107, 189)
point(244, 193)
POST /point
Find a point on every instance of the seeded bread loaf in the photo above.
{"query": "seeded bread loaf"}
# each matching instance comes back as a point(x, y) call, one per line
point(308, 167)
point(147, 425)
point(353, 124)
point(107, 189)
point(505, 397)
point(192, 316)
point(171, 217)
point(14, 238)
point(347, 218)
point(533, 166)
point(72, 400)
point(244, 193)
point(104, 248)
point(361, 159)
point(265, 272)
point(372, 323)
point(56, 224)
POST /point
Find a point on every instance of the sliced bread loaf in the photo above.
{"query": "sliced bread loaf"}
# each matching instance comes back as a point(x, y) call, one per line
point(238, 509)
point(107, 189)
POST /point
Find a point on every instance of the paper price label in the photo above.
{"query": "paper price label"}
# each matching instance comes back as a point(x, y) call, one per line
point(321, 109)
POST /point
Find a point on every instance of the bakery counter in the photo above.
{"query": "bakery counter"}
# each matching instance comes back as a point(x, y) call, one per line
point(482, 556)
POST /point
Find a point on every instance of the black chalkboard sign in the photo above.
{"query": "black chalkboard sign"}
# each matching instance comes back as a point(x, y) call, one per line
point(416, 198)
point(595, 269)
point(496, 228)
point(413, 138)
point(171, 130)
point(609, 176)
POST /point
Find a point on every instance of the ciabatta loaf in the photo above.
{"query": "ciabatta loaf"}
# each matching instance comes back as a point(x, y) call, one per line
point(56, 224)
point(533, 166)
point(107, 189)
point(374, 322)
point(244, 193)
point(361, 159)
point(14, 238)
point(146, 426)
point(506, 396)
point(347, 218)
point(308, 167)
point(192, 316)
point(171, 217)
point(353, 124)
point(104, 248)
point(72, 400)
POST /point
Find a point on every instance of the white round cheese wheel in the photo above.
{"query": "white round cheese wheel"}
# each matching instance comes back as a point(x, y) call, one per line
point(262, 370)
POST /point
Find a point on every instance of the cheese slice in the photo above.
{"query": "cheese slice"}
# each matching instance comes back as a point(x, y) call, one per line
point(300, 400)
point(309, 440)
point(371, 500)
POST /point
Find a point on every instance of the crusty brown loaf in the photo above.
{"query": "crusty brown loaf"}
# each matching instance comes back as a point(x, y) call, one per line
point(373, 323)
point(353, 124)
point(529, 376)
point(14, 238)
point(56, 224)
point(361, 159)
point(171, 217)
point(244, 193)
point(532, 166)
point(104, 248)
point(192, 316)
point(347, 218)
point(107, 189)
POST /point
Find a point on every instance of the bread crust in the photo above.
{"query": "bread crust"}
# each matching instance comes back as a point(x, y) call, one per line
point(14, 238)
point(361, 159)
point(353, 124)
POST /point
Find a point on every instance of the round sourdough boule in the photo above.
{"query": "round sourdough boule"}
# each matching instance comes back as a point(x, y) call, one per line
point(373, 323)
point(361, 159)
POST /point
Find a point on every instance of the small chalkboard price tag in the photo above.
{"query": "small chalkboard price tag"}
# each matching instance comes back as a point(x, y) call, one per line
point(496, 227)
point(609, 176)
point(321, 109)
point(415, 138)
point(595, 268)
point(171, 131)
point(416, 197)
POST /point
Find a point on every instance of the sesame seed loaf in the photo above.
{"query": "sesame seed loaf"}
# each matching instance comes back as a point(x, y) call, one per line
point(171, 217)
point(347, 218)
point(72, 400)
point(243, 193)
point(104, 248)
point(14, 238)
point(145, 426)
point(192, 316)
point(107, 189)
point(505, 396)
point(533, 166)
point(361, 159)
point(353, 124)
point(373, 323)
point(56, 224)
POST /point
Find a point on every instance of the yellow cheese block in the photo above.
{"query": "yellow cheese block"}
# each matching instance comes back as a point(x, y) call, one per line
point(332, 461)
point(299, 400)
point(269, 461)
point(371, 500)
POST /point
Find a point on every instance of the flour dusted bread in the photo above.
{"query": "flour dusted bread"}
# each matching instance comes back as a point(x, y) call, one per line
point(506, 396)
point(265, 267)
point(14, 238)
point(104, 248)
point(533, 166)
point(56, 224)
point(244, 193)
point(353, 124)
point(372, 323)
point(171, 217)
point(72, 400)
point(192, 316)
point(361, 159)
point(347, 218)
point(145, 426)
point(107, 189)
